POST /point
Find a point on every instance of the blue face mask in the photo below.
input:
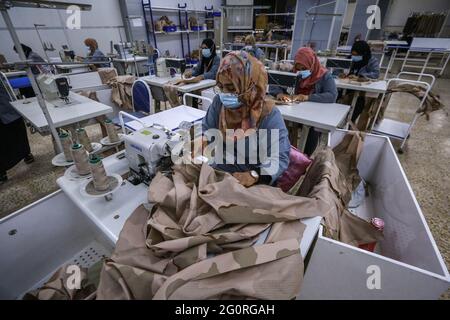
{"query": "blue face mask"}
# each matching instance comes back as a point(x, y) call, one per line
point(303, 74)
point(206, 53)
point(357, 58)
point(230, 100)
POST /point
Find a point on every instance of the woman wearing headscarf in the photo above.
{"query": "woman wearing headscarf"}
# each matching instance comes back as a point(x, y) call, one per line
point(34, 57)
point(314, 82)
point(93, 54)
point(208, 65)
point(242, 108)
point(364, 65)
point(250, 47)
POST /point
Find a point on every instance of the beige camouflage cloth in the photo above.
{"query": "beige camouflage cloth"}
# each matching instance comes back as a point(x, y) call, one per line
point(197, 241)
point(121, 91)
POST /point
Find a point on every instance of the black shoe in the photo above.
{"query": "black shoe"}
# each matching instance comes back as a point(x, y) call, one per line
point(29, 159)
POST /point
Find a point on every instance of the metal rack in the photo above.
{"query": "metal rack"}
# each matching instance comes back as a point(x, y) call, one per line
point(182, 29)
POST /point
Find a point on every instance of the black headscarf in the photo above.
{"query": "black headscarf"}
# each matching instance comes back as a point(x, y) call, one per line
point(206, 62)
point(362, 48)
point(26, 49)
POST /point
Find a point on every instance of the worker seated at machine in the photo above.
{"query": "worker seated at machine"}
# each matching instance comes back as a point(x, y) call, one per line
point(250, 47)
point(94, 55)
point(364, 66)
point(241, 106)
point(208, 65)
point(315, 83)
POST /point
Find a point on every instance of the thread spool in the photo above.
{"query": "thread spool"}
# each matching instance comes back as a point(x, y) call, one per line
point(112, 132)
point(99, 177)
point(83, 139)
point(66, 142)
point(81, 159)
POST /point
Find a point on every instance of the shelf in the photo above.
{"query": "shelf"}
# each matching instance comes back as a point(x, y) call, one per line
point(167, 9)
point(181, 31)
point(282, 30)
point(276, 14)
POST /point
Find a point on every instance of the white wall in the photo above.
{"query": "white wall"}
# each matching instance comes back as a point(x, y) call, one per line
point(400, 10)
point(350, 12)
point(102, 23)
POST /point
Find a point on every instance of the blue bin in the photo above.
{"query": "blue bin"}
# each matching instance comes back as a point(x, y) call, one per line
point(19, 83)
point(170, 28)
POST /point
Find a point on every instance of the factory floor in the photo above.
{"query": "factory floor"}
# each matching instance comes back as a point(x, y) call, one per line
point(425, 162)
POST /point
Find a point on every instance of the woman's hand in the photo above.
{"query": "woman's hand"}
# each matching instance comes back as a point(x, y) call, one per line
point(245, 178)
point(284, 97)
point(301, 98)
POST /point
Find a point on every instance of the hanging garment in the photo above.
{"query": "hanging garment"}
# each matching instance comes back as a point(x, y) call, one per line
point(107, 74)
point(432, 101)
point(171, 92)
point(121, 91)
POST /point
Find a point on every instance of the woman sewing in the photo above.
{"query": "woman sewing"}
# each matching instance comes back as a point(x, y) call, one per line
point(364, 66)
point(314, 83)
point(241, 107)
point(208, 65)
point(94, 55)
point(250, 47)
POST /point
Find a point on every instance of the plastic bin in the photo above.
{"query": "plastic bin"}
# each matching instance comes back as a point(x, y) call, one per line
point(38, 239)
point(169, 28)
point(409, 263)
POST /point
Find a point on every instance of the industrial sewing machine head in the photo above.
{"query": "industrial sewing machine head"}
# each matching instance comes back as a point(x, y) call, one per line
point(164, 65)
point(150, 150)
point(54, 87)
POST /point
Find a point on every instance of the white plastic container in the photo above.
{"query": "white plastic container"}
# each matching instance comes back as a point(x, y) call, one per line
point(409, 263)
point(36, 240)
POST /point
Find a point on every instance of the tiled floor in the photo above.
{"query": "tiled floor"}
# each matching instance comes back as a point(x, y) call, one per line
point(426, 162)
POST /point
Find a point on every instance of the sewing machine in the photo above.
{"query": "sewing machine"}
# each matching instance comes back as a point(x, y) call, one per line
point(54, 87)
point(150, 150)
point(124, 50)
point(165, 65)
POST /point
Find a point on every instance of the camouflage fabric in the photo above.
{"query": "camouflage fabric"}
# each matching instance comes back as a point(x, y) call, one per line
point(121, 91)
point(56, 288)
point(331, 179)
point(197, 241)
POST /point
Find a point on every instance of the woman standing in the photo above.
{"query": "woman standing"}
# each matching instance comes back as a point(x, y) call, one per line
point(14, 146)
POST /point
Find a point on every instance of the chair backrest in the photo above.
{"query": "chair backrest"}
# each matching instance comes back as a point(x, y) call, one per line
point(158, 93)
point(142, 97)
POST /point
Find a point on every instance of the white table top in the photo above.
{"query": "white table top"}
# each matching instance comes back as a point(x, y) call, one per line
point(373, 87)
point(170, 118)
point(326, 116)
point(131, 59)
point(62, 115)
point(161, 81)
point(430, 44)
point(72, 66)
point(110, 216)
point(15, 74)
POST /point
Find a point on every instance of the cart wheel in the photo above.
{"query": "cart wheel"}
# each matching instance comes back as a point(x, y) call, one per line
point(32, 130)
point(400, 150)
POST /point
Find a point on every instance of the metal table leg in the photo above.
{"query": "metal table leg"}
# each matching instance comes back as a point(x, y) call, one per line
point(303, 137)
point(352, 107)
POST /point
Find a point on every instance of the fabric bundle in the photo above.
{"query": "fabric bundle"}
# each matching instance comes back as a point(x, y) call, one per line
point(205, 236)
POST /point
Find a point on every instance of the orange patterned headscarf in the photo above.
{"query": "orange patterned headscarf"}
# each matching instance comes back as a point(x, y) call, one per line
point(249, 78)
point(308, 58)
